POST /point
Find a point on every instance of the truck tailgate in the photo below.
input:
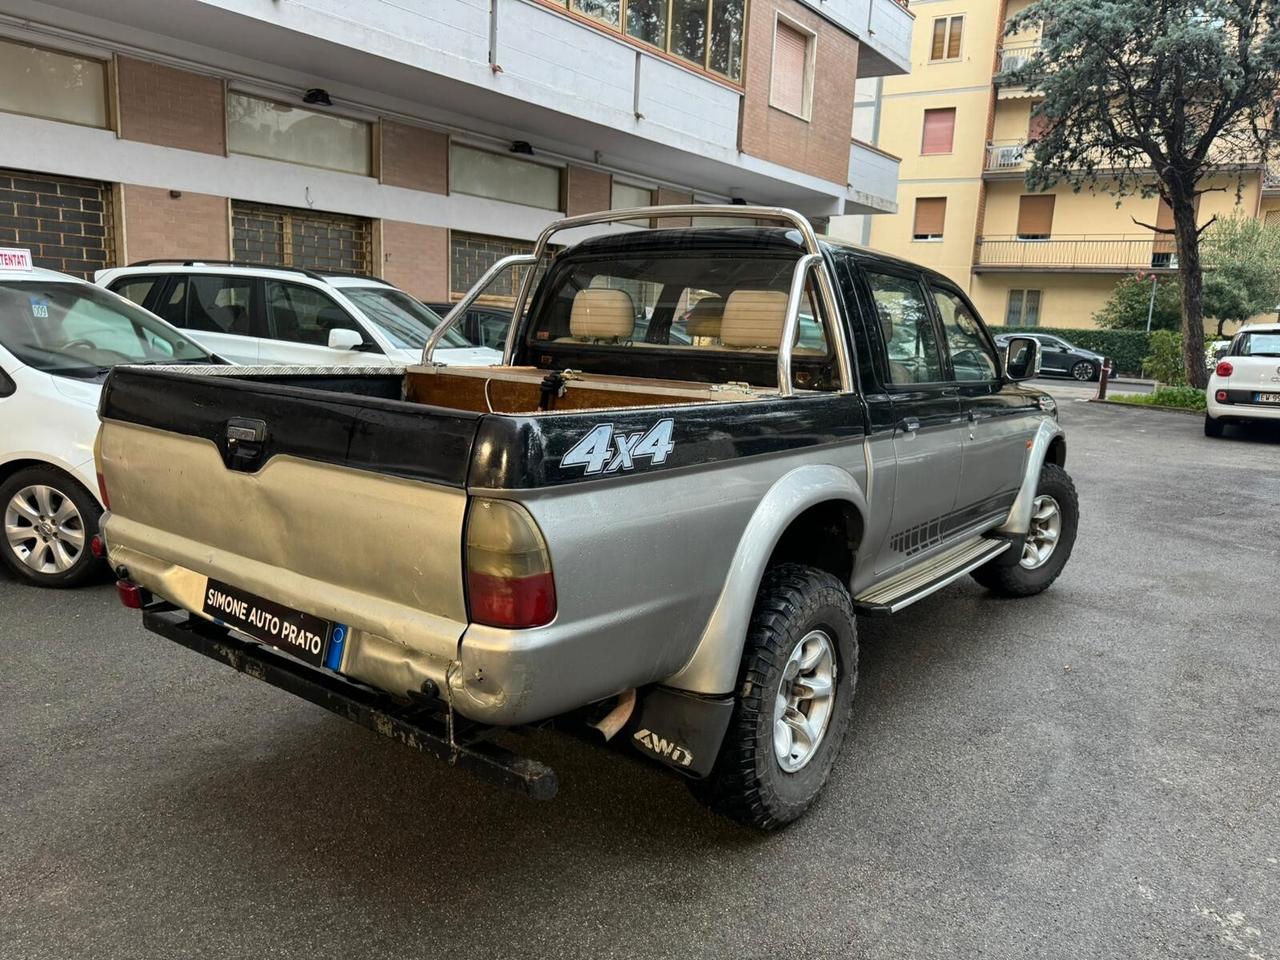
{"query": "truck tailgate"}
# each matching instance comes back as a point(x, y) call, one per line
point(351, 510)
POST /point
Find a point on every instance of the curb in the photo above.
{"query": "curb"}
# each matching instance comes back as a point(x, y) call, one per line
point(1150, 406)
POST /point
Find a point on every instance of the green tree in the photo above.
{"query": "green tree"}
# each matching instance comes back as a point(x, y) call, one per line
point(1126, 308)
point(1155, 97)
point(1242, 270)
point(1164, 362)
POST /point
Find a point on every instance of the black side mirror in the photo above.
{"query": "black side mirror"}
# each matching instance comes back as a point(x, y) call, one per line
point(1022, 359)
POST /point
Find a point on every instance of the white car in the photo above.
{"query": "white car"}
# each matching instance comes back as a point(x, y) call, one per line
point(258, 315)
point(1245, 385)
point(59, 337)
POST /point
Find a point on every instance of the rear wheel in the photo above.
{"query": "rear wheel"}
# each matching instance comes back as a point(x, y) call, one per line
point(49, 520)
point(795, 695)
point(1212, 427)
point(1055, 515)
point(1084, 370)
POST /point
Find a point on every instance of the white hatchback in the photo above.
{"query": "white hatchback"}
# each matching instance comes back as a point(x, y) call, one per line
point(258, 315)
point(1245, 384)
point(59, 338)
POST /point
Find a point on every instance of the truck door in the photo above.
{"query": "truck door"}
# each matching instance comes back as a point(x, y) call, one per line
point(927, 429)
point(995, 423)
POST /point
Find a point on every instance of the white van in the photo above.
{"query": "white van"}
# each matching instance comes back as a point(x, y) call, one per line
point(281, 315)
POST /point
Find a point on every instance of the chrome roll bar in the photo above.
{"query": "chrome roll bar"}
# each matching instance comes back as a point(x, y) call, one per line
point(460, 308)
point(813, 259)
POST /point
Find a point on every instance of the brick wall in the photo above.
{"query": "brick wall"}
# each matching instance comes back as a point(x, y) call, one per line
point(193, 225)
point(170, 107)
point(300, 238)
point(416, 258)
point(669, 197)
point(587, 191)
point(414, 157)
point(820, 146)
point(65, 223)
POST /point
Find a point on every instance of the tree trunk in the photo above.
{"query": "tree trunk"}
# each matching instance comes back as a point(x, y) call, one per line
point(1191, 280)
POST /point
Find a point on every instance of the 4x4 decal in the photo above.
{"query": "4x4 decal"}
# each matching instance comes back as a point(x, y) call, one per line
point(603, 450)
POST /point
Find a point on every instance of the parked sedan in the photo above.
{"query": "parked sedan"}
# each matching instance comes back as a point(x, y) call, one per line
point(59, 337)
point(1061, 358)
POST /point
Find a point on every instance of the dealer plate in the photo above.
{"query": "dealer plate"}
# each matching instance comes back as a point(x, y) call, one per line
point(300, 634)
point(1267, 398)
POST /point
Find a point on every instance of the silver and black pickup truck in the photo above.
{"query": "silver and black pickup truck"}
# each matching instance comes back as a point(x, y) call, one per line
point(707, 451)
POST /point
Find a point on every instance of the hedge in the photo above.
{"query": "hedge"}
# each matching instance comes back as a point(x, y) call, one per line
point(1126, 348)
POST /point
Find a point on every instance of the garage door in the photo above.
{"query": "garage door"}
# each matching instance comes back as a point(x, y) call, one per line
point(300, 238)
point(65, 223)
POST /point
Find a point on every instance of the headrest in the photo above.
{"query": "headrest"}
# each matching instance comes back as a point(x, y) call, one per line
point(600, 313)
point(753, 318)
point(704, 319)
point(886, 322)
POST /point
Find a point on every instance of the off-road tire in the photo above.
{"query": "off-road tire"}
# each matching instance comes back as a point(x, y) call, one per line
point(747, 782)
point(87, 567)
point(1212, 427)
point(1009, 578)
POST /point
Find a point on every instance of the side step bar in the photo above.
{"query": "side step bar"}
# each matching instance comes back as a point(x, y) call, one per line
point(415, 726)
point(918, 582)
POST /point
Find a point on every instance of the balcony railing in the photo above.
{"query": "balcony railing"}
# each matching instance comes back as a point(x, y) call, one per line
point(1015, 55)
point(1006, 155)
point(1100, 252)
point(1271, 177)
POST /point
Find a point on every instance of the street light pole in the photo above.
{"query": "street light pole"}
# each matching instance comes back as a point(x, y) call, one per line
point(1151, 304)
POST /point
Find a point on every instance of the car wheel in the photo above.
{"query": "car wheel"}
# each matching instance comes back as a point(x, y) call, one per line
point(1084, 370)
point(1055, 516)
point(795, 695)
point(49, 520)
point(1212, 427)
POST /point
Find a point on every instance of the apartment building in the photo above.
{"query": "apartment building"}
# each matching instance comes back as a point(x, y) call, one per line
point(420, 140)
point(1026, 258)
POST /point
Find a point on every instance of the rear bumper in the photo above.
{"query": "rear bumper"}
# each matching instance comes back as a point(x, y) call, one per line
point(1237, 409)
point(418, 726)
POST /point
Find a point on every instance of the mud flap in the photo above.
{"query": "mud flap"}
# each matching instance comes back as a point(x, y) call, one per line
point(682, 730)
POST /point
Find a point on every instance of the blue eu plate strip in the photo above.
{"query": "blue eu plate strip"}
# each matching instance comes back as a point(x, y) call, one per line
point(337, 642)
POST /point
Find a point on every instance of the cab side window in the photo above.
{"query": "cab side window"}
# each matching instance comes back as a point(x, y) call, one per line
point(301, 314)
point(971, 358)
point(906, 329)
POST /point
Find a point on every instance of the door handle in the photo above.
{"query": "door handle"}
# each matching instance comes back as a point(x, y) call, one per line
point(910, 424)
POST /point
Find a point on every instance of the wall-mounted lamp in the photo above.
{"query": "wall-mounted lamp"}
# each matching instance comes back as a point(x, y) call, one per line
point(317, 96)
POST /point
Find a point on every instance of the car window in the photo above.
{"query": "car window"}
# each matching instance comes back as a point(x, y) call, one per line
point(404, 321)
point(971, 359)
point(906, 329)
point(301, 314)
point(218, 304)
point(75, 329)
point(135, 288)
point(1263, 343)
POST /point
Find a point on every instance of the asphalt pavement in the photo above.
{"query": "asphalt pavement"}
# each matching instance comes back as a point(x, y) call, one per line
point(1091, 773)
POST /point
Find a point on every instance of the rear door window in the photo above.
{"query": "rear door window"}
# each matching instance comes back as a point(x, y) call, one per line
point(219, 304)
point(136, 289)
point(906, 329)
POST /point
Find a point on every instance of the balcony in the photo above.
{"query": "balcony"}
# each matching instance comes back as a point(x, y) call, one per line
point(1271, 179)
point(873, 180)
point(1012, 57)
point(1006, 157)
point(1101, 253)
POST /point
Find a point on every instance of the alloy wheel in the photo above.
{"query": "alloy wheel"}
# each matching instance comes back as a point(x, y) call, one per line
point(1082, 370)
point(44, 529)
point(1042, 538)
point(805, 701)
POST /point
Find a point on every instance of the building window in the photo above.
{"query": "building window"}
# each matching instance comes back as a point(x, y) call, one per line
point(939, 131)
point(1024, 309)
point(791, 83)
point(1035, 216)
point(706, 33)
point(502, 177)
point(278, 131)
point(946, 38)
point(931, 215)
point(66, 224)
point(300, 238)
point(625, 196)
point(53, 85)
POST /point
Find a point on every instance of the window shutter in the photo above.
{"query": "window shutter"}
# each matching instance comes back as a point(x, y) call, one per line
point(1035, 215)
point(1272, 219)
point(790, 56)
point(939, 49)
point(939, 130)
point(953, 42)
point(1013, 312)
point(931, 214)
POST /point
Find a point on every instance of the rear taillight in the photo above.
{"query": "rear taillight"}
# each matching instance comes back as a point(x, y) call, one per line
point(1224, 368)
point(509, 579)
point(131, 595)
point(1221, 396)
